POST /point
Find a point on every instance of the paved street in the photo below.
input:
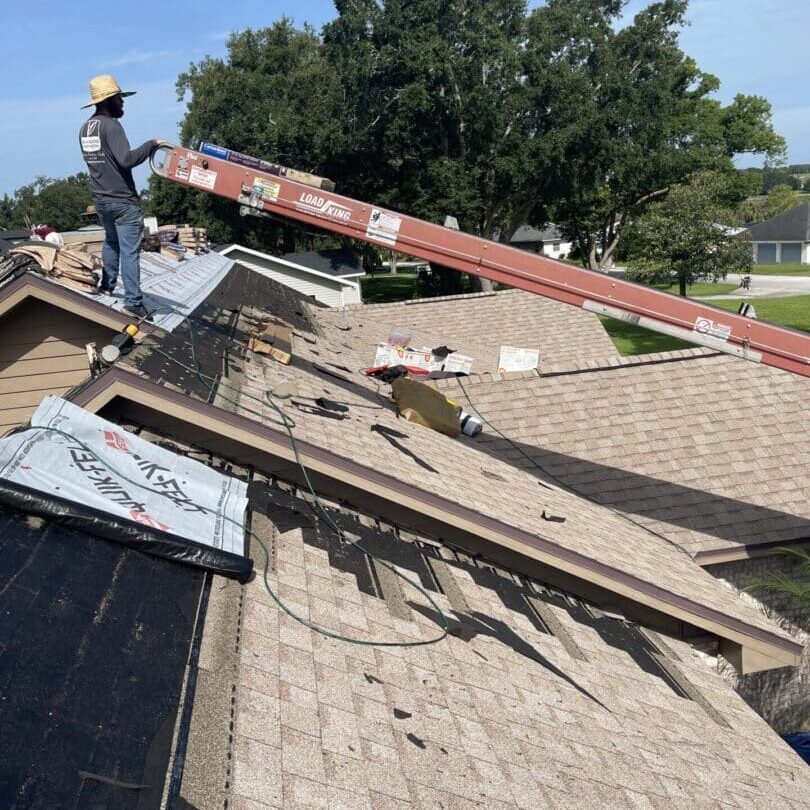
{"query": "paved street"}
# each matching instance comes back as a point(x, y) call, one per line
point(768, 286)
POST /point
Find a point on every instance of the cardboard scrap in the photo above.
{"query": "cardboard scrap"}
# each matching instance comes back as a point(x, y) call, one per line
point(423, 359)
point(275, 340)
point(516, 359)
point(426, 406)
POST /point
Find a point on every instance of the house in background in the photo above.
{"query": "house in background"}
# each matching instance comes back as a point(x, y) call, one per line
point(549, 241)
point(331, 277)
point(783, 239)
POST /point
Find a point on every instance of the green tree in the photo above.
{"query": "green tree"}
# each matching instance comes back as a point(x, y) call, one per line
point(779, 175)
point(432, 108)
point(794, 584)
point(779, 199)
point(473, 108)
point(685, 236)
point(47, 201)
point(275, 96)
point(621, 115)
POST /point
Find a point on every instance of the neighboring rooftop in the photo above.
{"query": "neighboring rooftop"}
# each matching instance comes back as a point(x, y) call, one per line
point(790, 226)
point(340, 262)
point(527, 234)
point(331, 277)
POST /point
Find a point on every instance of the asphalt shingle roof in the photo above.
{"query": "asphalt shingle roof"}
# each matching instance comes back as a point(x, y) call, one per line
point(709, 451)
point(340, 262)
point(476, 325)
point(510, 711)
point(790, 226)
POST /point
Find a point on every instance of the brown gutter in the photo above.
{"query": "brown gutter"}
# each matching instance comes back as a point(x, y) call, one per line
point(722, 555)
point(32, 285)
point(119, 382)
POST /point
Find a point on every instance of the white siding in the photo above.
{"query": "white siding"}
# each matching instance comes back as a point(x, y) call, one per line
point(324, 290)
point(351, 295)
point(557, 250)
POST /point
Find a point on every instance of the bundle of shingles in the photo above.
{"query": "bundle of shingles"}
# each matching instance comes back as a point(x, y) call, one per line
point(72, 266)
point(182, 238)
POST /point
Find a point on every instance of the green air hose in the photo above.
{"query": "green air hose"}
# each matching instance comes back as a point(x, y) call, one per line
point(285, 421)
point(323, 631)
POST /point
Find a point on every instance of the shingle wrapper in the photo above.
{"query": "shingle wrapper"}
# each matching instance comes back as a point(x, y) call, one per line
point(138, 493)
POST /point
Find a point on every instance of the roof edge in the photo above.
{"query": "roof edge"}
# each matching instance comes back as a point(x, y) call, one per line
point(716, 556)
point(253, 434)
point(258, 254)
point(32, 285)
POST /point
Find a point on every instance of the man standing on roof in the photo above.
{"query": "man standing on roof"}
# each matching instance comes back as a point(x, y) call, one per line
point(110, 161)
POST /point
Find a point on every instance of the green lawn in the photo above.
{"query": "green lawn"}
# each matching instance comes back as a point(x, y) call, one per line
point(793, 311)
point(631, 340)
point(702, 288)
point(781, 270)
point(379, 289)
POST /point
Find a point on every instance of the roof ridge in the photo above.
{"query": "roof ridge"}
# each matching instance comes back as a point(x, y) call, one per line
point(432, 300)
point(584, 366)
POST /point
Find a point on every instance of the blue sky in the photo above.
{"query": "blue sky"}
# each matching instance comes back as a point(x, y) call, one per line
point(50, 52)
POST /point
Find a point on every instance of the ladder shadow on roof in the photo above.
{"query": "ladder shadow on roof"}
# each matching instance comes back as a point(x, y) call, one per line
point(649, 498)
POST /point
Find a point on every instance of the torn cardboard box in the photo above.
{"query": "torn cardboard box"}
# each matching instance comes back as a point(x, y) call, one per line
point(423, 359)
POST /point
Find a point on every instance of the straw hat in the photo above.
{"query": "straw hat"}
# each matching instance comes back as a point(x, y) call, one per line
point(104, 87)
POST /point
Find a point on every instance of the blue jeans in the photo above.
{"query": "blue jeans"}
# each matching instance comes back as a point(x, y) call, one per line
point(123, 229)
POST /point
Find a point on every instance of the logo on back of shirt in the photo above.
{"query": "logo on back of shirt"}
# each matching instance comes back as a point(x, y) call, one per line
point(91, 140)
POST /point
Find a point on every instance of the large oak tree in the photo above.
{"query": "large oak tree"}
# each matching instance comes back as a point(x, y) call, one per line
point(474, 108)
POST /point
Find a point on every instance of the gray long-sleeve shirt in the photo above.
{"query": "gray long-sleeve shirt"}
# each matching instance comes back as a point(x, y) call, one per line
point(110, 160)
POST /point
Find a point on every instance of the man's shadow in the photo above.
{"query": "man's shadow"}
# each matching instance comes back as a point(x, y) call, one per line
point(475, 623)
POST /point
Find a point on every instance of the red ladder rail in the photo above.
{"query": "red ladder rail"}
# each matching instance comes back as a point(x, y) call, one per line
point(693, 321)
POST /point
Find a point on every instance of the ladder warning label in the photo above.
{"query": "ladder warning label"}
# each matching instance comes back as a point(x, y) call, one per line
point(268, 189)
point(204, 178)
point(383, 227)
point(706, 326)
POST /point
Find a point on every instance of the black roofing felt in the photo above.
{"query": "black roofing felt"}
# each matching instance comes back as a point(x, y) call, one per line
point(790, 226)
point(341, 262)
point(213, 328)
point(93, 646)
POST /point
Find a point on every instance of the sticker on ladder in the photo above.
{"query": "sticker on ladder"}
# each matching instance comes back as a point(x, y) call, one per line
point(268, 190)
point(383, 227)
point(204, 178)
point(706, 326)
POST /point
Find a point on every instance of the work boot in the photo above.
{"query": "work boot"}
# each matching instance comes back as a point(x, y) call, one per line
point(138, 311)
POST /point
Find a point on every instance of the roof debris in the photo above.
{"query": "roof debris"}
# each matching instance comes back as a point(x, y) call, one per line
point(545, 692)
